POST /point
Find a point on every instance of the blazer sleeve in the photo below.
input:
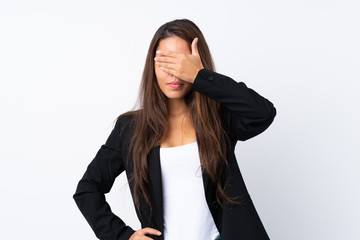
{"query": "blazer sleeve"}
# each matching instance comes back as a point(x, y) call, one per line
point(98, 180)
point(246, 113)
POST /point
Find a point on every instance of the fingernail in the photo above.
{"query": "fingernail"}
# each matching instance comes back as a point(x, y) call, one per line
point(158, 51)
point(159, 233)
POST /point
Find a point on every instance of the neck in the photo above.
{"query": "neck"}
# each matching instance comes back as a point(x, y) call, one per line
point(176, 107)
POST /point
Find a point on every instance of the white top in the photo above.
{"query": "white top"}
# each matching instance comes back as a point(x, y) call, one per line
point(186, 213)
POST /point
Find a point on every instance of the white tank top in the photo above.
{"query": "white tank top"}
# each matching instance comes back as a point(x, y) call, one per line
point(186, 213)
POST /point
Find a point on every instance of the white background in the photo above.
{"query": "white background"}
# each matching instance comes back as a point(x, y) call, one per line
point(69, 68)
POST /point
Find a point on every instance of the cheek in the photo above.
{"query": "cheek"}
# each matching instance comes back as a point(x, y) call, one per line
point(160, 75)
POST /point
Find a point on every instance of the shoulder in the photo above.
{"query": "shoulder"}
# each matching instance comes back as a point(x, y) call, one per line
point(125, 122)
point(127, 117)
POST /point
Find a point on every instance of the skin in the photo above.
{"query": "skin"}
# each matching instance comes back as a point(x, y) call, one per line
point(175, 61)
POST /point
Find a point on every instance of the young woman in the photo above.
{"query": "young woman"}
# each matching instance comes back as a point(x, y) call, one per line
point(177, 149)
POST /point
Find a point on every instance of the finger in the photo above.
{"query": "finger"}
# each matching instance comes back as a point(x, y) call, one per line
point(149, 230)
point(166, 53)
point(194, 48)
point(165, 59)
point(167, 65)
point(169, 71)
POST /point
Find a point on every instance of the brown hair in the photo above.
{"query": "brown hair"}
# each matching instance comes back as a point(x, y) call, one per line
point(151, 120)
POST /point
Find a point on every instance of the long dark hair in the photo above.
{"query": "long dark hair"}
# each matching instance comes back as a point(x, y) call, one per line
point(150, 121)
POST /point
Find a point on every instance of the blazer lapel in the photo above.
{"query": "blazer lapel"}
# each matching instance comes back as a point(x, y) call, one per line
point(156, 183)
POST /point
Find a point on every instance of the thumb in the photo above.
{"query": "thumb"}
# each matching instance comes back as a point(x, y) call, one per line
point(194, 48)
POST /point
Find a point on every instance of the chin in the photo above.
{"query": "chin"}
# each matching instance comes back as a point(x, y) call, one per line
point(175, 96)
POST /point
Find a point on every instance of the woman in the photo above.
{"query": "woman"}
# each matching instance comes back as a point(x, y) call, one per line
point(177, 149)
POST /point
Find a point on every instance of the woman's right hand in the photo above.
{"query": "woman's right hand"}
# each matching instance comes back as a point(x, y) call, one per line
point(140, 234)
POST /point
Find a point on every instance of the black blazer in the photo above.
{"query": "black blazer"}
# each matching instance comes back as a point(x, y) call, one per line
point(246, 114)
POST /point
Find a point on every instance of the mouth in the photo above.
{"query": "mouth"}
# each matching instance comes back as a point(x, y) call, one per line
point(175, 84)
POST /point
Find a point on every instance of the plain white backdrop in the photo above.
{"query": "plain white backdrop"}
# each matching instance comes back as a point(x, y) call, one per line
point(69, 68)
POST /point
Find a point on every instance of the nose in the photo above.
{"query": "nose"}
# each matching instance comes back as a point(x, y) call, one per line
point(172, 76)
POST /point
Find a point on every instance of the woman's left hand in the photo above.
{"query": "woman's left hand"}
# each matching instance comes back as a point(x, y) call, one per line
point(182, 66)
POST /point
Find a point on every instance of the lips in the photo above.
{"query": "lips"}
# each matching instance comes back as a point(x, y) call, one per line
point(176, 83)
